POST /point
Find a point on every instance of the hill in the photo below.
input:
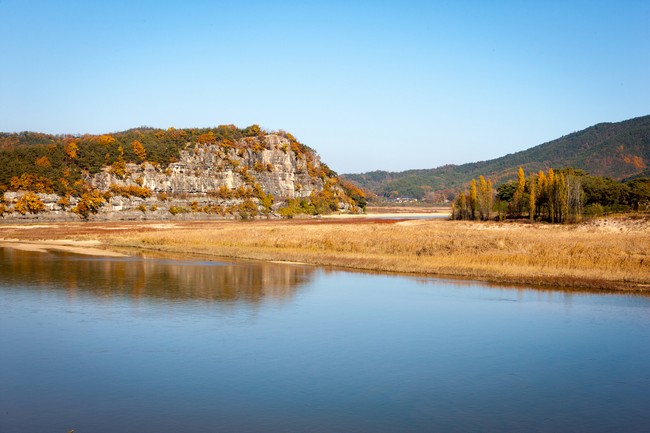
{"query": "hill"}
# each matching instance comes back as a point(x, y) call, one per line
point(158, 174)
point(617, 150)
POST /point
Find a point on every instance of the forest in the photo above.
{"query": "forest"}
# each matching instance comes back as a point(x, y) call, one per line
point(554, 196)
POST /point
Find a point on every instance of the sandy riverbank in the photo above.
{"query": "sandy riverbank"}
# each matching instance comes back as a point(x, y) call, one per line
point(88, 248)
point(608, 254)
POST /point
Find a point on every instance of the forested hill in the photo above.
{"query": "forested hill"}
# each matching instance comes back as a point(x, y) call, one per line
point(225, 172)
point(616, 150)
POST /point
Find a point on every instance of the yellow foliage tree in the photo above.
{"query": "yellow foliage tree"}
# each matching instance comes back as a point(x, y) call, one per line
point(71, 149)
point(29, 202)
point(119, 166)
point(473, 199)
point(139, 150)
point(90, 202)
point(43, 161)
point(518, 198)
point(106, 140)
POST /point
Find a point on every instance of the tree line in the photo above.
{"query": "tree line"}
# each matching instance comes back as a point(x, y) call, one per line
point(553, 196)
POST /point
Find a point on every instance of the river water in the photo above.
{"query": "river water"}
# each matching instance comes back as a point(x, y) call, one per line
point(156, 345)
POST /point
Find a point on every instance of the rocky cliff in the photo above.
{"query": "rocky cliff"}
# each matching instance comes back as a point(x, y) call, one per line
point(264, 175)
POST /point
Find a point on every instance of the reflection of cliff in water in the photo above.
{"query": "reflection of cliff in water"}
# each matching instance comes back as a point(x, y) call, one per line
point(152, 278)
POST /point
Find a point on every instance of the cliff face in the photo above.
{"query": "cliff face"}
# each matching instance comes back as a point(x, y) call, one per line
point(262, 176)
point(205, 168)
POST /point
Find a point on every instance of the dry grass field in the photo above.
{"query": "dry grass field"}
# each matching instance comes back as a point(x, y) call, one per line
point(607, 254)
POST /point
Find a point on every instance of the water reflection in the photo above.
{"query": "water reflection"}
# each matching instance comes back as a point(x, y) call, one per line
point(152, 277)
point(101, 345)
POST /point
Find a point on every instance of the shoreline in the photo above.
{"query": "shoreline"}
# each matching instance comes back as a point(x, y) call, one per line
point(607, 254)
point(86, 248)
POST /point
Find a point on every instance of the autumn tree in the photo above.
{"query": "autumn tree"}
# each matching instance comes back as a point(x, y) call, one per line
point(139, 150)
point(531, 200)
point(519, 200)
point(43, 162)
point(206, 138)
point(461, 207)
point(106, 140)
point(89, 203)
point(119, 166)
point(541, 193)
point(473, 199)
point(485, 198)
point(71, 148)
point(29, 202)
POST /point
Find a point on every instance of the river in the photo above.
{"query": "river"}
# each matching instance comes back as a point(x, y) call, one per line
point(160, 345)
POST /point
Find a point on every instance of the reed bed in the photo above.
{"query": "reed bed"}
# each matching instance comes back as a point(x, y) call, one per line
point(612, 256)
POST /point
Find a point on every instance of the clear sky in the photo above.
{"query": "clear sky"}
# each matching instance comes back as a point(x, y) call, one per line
point(371, 85)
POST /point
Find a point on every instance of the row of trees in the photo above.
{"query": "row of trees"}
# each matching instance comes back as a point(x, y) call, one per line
point(553, 196)
point(476, 203)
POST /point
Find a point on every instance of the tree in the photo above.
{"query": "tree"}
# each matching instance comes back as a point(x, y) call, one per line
point(71, 148)
point(29, 202)
point(43, 162)
point(541, 191)
point(119, 166)
point(639, 194)
point(519, 201)
point(473, 199)
point(139, 150)
point(506, 191)
point(575, 197)
point(531, 201)
point(485, 195)
point(106, 140)
point(90, 202)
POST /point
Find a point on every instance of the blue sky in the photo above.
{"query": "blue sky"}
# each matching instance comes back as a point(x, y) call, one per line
point(371, 85)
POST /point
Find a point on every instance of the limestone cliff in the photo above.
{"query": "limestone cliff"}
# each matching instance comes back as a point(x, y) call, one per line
point(265, 175)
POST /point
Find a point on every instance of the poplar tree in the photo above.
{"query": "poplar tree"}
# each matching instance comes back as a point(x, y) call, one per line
point(473, 199)
point(550, 191)
point(518, 198)
point(541, 191)
point(462, 206)
point(531, 200)
point(484, 197)
point(575, 197)
point(490, 198)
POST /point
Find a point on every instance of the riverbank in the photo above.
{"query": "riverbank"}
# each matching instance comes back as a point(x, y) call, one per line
point(607, 254)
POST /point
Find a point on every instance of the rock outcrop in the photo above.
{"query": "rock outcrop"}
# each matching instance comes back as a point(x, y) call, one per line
point(252, 177)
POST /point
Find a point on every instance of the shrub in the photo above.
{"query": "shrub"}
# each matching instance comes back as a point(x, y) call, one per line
point(595, 209)
point(29, 202)
point(130, 190)
point(90, 202)
point(174, 210)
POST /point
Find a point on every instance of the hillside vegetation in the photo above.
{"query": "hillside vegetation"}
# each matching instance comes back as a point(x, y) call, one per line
point(619, 151)
point(225, 171)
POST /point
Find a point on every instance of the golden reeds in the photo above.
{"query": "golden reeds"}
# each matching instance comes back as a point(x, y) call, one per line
point(611, 254)
point(572, 256)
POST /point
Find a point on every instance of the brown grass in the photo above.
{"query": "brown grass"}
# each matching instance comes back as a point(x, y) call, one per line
point(607, 254)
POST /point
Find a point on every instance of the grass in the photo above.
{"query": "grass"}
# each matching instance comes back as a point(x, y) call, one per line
point(607, 254)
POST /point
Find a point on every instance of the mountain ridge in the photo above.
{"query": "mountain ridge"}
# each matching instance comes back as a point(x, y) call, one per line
point(619, 150)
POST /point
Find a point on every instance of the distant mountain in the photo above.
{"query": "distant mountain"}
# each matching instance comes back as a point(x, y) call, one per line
point(616, 150)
